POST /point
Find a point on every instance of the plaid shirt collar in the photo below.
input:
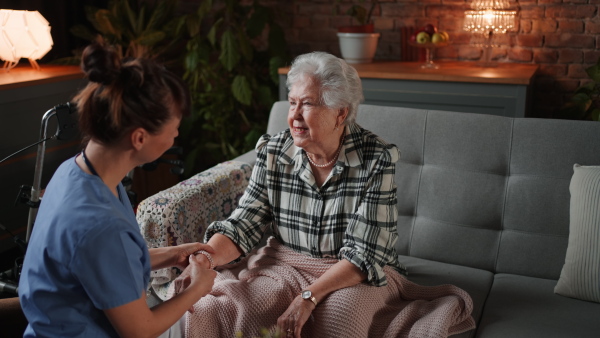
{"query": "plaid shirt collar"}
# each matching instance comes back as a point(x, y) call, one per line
point(350, 154)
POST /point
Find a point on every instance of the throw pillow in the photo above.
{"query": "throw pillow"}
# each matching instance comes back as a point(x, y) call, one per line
point(580, 275)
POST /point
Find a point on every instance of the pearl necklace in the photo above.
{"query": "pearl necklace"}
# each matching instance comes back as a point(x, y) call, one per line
point(337, 154)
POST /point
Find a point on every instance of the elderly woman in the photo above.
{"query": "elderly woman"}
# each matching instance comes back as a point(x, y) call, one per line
point(325, 188)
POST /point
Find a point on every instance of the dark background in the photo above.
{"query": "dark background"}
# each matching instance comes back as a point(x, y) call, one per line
point(62, 15)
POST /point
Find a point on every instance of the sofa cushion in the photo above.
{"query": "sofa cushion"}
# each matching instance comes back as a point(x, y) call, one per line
point(477, 283)
point(580, 275)
point(526, 307)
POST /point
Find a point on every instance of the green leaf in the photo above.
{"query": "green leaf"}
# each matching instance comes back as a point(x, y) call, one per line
point(586, 88)
point(212, 33)
point(594, 72)
point(204, 8)
point(230, 55)
point(264, 95)
point(129, 14)
point(582, 100)
point(193, 22)
point(102, 17)
point(83, 32)
point(257, 21)
point(359, 13)
point(241, 90)
point(596, 114)
point(274, 64)
point(139, 28)
point(252, 137)
point(245, 46)
point(158, 15)
point(151, 38)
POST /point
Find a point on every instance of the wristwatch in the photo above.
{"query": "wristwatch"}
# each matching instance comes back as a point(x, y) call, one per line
point(307, 295)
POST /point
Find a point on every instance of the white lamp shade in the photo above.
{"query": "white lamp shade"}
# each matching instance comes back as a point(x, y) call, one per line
point(23, 34)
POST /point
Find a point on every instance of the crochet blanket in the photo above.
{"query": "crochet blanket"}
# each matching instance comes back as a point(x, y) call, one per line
point(250, 295)
point(174, 216)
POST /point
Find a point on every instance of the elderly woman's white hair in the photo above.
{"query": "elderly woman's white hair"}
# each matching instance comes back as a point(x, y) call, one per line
point(339, 83)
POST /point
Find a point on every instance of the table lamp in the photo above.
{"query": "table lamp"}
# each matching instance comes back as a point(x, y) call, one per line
point(486, 20)
point(23, 34)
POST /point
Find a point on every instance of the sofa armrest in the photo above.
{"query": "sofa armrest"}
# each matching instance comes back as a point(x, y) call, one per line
point(182, 213)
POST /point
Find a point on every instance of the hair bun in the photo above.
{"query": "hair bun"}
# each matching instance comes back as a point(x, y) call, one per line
point(100, 64)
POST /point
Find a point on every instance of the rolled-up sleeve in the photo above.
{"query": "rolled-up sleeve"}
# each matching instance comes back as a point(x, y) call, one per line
point(248, 222)
point(371, 235)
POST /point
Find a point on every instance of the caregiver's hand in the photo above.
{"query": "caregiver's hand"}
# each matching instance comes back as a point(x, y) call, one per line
point(195, 276)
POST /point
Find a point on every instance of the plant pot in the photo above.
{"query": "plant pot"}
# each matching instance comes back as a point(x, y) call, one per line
point(358, 47)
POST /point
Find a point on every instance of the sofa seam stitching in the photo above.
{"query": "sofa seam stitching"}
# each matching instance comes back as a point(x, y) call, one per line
point(414, 220)
point(506, 180)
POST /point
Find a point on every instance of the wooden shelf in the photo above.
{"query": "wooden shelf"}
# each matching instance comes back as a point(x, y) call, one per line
point(25, 75)
point(504, 73)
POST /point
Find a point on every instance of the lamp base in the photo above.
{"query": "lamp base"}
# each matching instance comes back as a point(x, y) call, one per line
point(8, 65)
point(487, 58)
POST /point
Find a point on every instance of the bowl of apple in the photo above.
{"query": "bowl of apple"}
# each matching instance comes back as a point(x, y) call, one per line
point(430, 38)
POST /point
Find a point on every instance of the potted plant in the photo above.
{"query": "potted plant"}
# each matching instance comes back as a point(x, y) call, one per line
point(358, 43)
point(362, 16)
point(585, 104)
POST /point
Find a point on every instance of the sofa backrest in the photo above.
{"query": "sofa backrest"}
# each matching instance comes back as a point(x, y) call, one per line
point(483, 191)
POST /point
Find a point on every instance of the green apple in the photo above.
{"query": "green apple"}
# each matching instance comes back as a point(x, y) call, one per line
point(423, 37)
point(438, 38)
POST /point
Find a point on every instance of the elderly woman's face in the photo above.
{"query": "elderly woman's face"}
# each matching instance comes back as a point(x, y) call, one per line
point(311, 123)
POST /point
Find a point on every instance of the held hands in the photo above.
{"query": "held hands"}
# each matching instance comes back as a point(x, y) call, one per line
point(183, 251)
point(196, 275)
point(294, 318)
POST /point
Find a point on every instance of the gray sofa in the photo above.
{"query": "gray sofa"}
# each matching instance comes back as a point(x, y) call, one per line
point(483, 204)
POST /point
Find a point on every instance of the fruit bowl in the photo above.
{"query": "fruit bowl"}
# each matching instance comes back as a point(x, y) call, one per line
point(430, 47)
point(429, 44)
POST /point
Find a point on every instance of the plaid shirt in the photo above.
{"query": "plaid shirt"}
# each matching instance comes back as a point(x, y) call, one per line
point(351, 216)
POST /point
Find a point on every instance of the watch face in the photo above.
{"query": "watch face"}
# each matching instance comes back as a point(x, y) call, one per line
point(306, 294)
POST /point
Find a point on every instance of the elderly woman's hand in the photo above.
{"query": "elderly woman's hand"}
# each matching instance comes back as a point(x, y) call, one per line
point(294, 318)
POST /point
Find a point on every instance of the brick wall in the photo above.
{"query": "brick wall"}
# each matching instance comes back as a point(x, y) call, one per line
point(560, 36)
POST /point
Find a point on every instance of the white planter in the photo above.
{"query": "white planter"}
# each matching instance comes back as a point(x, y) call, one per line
point(358, 47)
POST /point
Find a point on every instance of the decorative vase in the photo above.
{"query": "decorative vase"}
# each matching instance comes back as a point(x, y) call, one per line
point(358, 47)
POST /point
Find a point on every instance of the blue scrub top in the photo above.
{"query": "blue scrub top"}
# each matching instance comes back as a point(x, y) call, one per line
point(85, 254)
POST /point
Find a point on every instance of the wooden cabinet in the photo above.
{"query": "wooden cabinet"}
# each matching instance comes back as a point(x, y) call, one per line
point(455, 86)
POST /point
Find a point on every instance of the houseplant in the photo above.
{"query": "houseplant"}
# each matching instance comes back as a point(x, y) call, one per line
point(228, 52)
point(358, 43)
point(362, 15)
point(585, 103)
point(231, 63)
point(136, 29)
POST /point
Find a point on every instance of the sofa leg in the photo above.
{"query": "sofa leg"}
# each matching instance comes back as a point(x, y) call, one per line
point(12, 319)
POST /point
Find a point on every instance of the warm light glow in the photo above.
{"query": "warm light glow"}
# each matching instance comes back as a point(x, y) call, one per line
point(489, 20)
point(23, 34)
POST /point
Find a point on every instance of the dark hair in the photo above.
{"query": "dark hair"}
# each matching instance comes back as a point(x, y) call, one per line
point(125, 94)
